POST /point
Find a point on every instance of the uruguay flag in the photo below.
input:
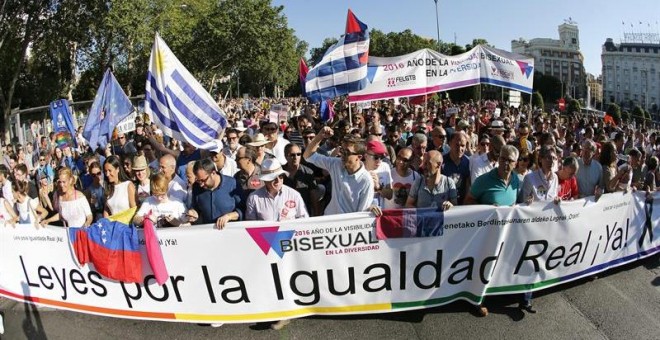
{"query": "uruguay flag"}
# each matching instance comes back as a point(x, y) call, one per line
point(402, 223)
point(343, 68)
point(113, 248)
point(178, 103)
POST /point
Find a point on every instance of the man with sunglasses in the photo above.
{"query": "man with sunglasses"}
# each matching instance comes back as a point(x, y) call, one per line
point(402, 179)
point(302, 179)
point(275, 201)
point(352, 186)
point(379, 170)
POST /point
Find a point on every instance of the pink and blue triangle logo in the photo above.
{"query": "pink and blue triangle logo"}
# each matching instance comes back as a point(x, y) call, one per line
point(525, 68)
point(268, 238)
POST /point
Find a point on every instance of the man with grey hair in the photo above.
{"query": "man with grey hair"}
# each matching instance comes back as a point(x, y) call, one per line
point(418, 146)
point(590, 171)
point(498, 187)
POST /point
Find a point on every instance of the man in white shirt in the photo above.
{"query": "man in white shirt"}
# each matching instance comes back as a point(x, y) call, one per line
point(352, 185)
point(176, 188)
point(232, 145)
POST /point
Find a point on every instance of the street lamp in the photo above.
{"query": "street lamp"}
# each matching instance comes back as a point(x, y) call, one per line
point(437, 23)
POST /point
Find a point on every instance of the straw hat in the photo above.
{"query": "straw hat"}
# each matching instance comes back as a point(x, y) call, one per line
point(140, 163)
point(270, 169)
point(258, 140)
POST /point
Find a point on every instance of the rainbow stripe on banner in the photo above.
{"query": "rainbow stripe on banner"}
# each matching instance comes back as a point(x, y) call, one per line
point(337, 265)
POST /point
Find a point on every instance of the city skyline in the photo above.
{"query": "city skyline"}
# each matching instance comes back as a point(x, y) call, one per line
point(497, 22)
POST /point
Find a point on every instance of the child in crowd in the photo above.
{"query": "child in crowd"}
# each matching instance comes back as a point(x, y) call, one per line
point(163, 211)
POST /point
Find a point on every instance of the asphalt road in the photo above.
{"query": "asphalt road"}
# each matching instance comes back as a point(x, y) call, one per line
point(623, 303)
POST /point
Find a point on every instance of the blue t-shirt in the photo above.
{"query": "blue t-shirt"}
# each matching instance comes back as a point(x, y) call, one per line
point(460, 173)
point(490, 189)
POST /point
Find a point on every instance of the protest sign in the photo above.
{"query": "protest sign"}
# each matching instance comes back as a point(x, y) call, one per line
point(260, 271)
point(427, 71)
point(128, 124)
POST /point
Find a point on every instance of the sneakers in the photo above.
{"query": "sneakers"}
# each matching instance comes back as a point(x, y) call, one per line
point(280, 324)
point(216, 325)
point(528, 308)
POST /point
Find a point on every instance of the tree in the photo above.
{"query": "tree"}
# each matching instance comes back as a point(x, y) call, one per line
point(548, 86)
point(573, 106)
point(615, 111)
point(397, 43)
point(316, 53)
point(21, 23)
point(638, 114)
point(537, 100)
point(625, 116)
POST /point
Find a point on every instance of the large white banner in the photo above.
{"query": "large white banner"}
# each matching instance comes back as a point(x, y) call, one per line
point(258, 271)
point(427, 71)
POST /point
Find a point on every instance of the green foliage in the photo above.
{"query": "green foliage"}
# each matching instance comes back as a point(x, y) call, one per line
point(638, 112)
point(615, 111)
point(537, 100)
point(573, 105)
point(548, 86)
point(397, 43)
point(625, 116)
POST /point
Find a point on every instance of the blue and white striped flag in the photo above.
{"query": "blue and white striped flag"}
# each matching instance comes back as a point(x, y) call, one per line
point(179, 104)
point(343, 68)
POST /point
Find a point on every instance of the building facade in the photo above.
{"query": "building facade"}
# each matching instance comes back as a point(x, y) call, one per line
point(631, 74)
point(595, 91)
point(558, 58)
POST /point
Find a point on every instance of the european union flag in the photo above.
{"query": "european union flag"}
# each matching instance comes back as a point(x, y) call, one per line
point(111, 106)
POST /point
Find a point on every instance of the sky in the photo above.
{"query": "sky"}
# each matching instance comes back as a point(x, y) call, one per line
point(498, 22)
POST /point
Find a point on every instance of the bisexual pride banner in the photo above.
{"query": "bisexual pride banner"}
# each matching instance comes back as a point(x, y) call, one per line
point(427, 71)
point(332, 265)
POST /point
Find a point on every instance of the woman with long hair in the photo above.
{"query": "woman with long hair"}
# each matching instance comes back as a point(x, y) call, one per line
point(26, 210)
point(612, 175)
point(142, 174)
point(71, 205)
point(119, 190)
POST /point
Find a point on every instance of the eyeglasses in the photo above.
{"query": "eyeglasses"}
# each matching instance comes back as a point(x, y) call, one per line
point(295, 154)
point(507, 160)
point(202, 180)
point(346, 153)
point(376, 157)
point(403, 159)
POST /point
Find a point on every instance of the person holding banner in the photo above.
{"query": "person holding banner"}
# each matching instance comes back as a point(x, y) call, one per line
point(498, 187)
point(216, 198)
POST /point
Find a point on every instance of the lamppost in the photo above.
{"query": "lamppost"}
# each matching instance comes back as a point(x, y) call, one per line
point(437, 22)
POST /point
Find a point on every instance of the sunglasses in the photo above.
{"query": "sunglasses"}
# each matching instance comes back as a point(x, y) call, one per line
point(295, 154)
point(97, 174)
point(403, 159)
point(376, 157)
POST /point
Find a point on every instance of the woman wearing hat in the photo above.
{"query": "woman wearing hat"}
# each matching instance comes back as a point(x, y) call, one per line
point(259, 145)
point(142, 182)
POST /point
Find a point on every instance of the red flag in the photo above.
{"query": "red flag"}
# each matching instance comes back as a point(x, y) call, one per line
point(609, 120)
point(302, 69)
point(112, 247)
point(154, 253)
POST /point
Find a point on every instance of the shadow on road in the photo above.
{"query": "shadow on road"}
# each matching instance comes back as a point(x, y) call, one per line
point(32, 329)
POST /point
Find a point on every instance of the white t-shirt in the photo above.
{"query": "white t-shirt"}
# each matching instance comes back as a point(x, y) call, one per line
point(278, 150)
point(401, 187)
point(230, 168)
point(384, 174)
point(536, 184)
point(176, 189)
point(479, 165)
point(173, 208)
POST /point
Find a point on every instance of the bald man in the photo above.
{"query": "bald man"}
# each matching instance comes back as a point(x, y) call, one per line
point(176, 189)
